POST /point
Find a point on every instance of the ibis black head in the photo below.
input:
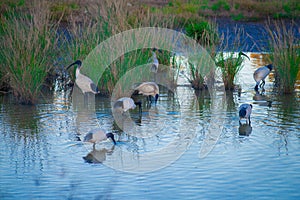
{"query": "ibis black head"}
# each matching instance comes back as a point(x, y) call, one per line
point(270, 66)
point(256, 88)
point(77, 62)
point(110, 135)
point(243, 54)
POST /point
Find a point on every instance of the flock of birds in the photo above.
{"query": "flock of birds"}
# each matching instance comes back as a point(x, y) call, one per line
point(151, 90)
point(259, 76)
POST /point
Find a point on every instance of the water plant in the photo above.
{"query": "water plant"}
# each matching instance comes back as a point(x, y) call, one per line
point(229, 61)
point(27, 50)
point(285, 54)
point(108, 19)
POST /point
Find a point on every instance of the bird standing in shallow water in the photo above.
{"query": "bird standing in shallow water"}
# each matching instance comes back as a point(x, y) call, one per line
point(155, 62)
point(149, 89)
point(260, 74)
point(82, 81)
point(98, 135)
point(126, 103)
point(245, 112)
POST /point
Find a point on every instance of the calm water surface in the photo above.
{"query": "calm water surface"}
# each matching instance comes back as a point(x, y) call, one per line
point(158, 156)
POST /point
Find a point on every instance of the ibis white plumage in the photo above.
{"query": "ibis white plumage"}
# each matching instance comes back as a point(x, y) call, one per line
point(260, 74)
point(245, 112)
point(98, 135)
point(149, 89)
point(155, 62)
point(126, 103)
point(82, 81)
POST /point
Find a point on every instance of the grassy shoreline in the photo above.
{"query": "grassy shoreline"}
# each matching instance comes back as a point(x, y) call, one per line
point(28, 63)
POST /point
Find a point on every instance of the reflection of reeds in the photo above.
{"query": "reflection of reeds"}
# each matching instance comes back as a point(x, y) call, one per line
point(27, 50)
point(285, 54)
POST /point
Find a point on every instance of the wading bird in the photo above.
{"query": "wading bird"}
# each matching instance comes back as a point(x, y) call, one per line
point(82, 81)
point(149, 89)
point(98, 135)
point(260, 74)
point(233, 61)
point(155, 62)
point(245, 112)
point(126, 103)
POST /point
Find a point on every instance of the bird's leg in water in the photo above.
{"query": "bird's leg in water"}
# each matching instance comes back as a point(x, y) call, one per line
point(262, 83)
point(150, 99)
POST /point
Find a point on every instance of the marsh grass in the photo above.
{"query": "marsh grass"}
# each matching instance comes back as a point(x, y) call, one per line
point(285, 54)
point(229, 61)
point(108, 19)
point(27, 50)
point(205, 33)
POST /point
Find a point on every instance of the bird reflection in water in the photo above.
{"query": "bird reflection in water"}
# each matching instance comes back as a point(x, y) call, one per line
point(245, 129)
point(98, 156)
point(261, 99)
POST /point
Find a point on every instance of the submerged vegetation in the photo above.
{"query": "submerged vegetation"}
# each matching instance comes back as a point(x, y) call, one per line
point(42, 37)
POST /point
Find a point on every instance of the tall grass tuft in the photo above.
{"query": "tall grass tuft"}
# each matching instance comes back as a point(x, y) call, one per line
point(285, 54)
point(105, 20)
point(228, 60)
point(26, 50)
point(206, 34)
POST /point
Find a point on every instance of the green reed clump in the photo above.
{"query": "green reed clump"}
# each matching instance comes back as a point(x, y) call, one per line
point(285, 54)
point(27, 50)
point(106, 20)
point(196, 79)
point(228, 61)
point(204, 32)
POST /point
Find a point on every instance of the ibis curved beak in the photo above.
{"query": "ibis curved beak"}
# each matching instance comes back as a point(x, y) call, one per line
point(241, 53)
point(77, 62)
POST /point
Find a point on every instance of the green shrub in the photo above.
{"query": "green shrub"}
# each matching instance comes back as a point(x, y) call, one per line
point(219, 5)
point(204, 32)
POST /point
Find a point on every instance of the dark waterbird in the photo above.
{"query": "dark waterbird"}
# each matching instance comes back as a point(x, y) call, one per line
point(82, 81)
point(98, 135)
point(149, 89)
point(260, 74)
point(245, 112)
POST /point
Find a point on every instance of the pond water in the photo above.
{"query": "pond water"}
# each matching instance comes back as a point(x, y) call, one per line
point(159, 154)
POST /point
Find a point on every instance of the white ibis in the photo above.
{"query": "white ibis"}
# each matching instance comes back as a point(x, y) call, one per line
point(245, 112)
point(98, 135)
point(260, 74)
point(155, 62)
point(149, 89)
point(82, 81)
point(233, 61)
point(127, 103)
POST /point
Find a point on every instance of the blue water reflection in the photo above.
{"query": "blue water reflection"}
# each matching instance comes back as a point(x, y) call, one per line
point(41, 157)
